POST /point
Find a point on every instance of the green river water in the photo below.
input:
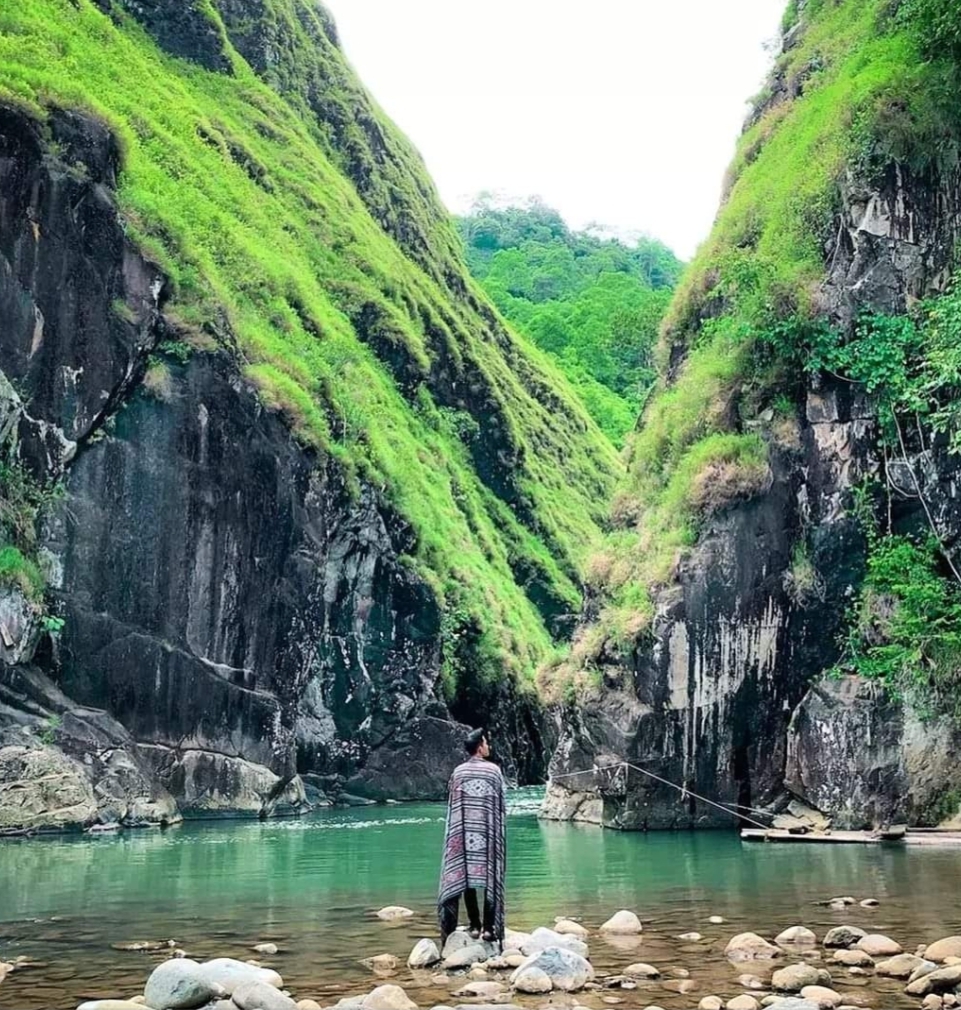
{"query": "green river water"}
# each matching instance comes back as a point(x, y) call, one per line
point(311, 885)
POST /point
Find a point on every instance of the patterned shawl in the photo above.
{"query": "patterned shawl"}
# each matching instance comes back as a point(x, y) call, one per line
point(475, 847)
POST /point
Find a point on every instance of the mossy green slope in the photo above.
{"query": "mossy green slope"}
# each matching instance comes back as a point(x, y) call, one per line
point(860, 84)
point(349, 302)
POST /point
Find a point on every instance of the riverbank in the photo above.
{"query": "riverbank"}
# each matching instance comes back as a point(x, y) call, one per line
point(713, 966)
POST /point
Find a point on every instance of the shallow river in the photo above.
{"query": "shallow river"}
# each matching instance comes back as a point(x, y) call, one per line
point(311, 885)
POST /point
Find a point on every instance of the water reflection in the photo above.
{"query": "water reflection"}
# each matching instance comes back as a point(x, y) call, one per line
point(311, 885)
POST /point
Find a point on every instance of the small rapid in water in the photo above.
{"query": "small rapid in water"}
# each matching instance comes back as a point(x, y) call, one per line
point(312, 885)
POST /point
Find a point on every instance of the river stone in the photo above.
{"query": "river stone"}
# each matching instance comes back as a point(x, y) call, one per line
point(261, 996)
point(308, 1004)
point(880, 946)
point(566, 969)
point(531, 979)
point(514, 940)
point(424, 954)
point(749, 982)
point(924, 968)
point(870, 903)
point(382, 964)
point(844, 936)
point(265, 948)
point(716, 920)
point(567, 927)
point(542, 938)
point(464, 957)
point(743, 1002)
point(939, 981)
point(460, 940)
point(691, 937)
point(858, 958)
point(624, 922)
point(711, 1003)
point(950, 946)
point(932, 1002)
point(180, 984)
point(796, 936)
point(794, 977)
point(229, 973)
point(480, 989)
point(391, 913)
point(680, 985)
point(750, 947)
point(899, 966)
point(110, 1004)
point(826, 998)
point(641, 970)
point(387, 997)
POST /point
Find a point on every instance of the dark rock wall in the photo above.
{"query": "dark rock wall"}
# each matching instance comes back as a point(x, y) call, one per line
point(236, 610)
point(725, 695)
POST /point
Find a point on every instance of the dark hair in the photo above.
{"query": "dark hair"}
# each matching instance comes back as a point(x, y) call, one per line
point(473, 741)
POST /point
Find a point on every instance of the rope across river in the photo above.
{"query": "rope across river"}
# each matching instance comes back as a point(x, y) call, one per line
point(667, 782)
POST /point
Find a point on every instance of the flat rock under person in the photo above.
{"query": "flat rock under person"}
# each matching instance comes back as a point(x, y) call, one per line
point(475, 845)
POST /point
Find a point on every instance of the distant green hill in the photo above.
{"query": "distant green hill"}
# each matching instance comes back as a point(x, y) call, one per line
point(593, 303)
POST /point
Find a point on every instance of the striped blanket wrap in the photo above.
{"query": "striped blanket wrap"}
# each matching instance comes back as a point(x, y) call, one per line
point(475, 846)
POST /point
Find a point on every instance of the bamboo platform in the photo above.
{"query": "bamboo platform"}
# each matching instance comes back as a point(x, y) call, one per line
point(896, 836)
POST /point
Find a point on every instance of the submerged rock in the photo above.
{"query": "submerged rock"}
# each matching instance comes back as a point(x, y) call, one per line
point(901, 965)
point(531, 979)
point(624, 923)
point(387, 997)
point(796, 936)
point(743, 1002)
point(393, 912)
point(567, 927)
point(261, 996)
point(844, 936)
point(750, 947)
point(825, 998)
point(852, 958)
point(641, 970)
point(940, 981)
point(794, 977)
point(878, 945)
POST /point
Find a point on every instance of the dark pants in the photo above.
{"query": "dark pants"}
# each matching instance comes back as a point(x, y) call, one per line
point(448, 914)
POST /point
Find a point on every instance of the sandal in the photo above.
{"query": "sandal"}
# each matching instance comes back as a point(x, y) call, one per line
point(473, 933)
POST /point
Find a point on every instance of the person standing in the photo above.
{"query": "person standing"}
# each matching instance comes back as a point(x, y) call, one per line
point(475, 844)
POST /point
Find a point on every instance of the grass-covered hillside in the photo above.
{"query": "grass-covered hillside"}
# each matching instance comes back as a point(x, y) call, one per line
point(864, 91)
point(593, 303)
point(293, 219)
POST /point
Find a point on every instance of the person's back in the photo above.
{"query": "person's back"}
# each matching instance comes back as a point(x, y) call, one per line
point(475, 853)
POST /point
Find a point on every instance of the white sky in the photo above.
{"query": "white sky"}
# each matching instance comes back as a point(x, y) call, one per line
point(622, 112)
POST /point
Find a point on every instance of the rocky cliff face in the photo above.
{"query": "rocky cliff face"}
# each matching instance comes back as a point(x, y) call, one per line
point(725, 694)
point(245, 620)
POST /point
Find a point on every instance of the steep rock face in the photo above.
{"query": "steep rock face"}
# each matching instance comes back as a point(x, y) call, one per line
point(724, 695)
point(228, 601)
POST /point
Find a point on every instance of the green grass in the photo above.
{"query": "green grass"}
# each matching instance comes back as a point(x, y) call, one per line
point(21, 572)
point(239, 192)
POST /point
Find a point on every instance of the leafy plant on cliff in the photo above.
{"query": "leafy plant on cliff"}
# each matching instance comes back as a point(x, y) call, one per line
point(22, 502)
point(905, 627)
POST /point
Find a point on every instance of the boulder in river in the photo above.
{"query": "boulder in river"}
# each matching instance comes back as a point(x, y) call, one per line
point(641, 970)
point(308, 1004)
point(424, 954)
point(265, 948)
point(711, 1003)
point(940, 981)
point(111, 1004)
point(542, 938)
point(229, 973)
point(387, 997)
point(901, 965)
point(794, 977)
point(180, 984)
point(796, 936)
point(825, 998)
point(949, 946)
point(482, 990)
point(382, 964)
point(852, 958)
point(750, 947)
point(878, 945)
point(261, 996)
point(533, 980)
point(464, 957)
point(749, 982)
point(624, 923)
point(566, 969)
point(844, 936)
point(391, 913)
point(743, 1002)
point(567, 927)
